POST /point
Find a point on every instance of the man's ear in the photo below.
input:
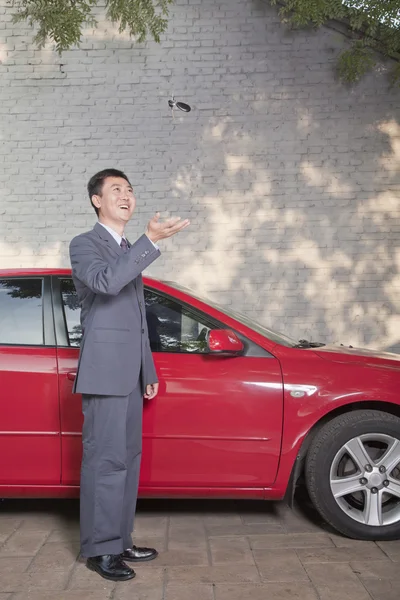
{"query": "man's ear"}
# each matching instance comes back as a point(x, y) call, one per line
point(96, 201)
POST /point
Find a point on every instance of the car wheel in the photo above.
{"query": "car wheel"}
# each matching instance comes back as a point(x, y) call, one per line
point(353, 474)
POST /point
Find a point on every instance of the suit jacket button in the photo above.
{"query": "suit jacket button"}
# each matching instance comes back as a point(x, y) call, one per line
point(142, 330)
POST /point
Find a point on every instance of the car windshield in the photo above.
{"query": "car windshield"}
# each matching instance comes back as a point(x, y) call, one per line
point(274, 336)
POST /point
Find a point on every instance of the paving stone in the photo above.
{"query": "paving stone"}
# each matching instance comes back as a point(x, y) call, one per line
point(55, 555)
point(43, 522)
point(266, 591)
point(383, 590)
point(186, 534)
point(351, 591)
point(188, 592)
point(331, 574)
point(242, 529)
point(214, 574)
point(149, 526)
point(259, 517)
point(335, 555)
point(391, 549)
point(257, 508)
point(44, 579)
point(222, 520)
point(343, 542)
point(294, 522)
point(150, 576)
point(376, 569)
point(11, 570)
point(7, 528)
point(172, 558)
point(190, 544)
point(68, 534)
point(336, 582)
point(186, 521)
point(291, 540)
point(230, 550)
point(131, 590)
point(279, 565)
point(23, 543)
point(63, 595)
point(148, 584)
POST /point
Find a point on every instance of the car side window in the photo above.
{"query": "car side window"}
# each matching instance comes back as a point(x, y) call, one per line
point(172, 327)
point(21, 312)
point(72, 311)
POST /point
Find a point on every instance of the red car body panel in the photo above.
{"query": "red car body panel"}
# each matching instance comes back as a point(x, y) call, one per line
point(29, 380)
point(222, 427)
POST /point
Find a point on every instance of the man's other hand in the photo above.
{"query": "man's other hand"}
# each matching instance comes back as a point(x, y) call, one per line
point(151, 391)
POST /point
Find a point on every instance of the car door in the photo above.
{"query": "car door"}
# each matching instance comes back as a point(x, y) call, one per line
point(216, 422)
point(30, 448)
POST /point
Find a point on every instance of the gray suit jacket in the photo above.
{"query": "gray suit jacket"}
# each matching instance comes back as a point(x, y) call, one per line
point(115, 348)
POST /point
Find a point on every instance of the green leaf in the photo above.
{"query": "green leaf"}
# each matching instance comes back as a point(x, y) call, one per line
point(354, 63)
point(374, 24)
point(62, 21)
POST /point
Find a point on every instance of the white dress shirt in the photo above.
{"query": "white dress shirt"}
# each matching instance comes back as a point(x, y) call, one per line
point(118, 238)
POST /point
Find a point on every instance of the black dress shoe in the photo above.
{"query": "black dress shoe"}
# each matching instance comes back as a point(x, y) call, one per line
point(110, 566)
point(136, 554)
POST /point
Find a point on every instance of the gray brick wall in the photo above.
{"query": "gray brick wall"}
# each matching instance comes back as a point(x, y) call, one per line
point(291, 180)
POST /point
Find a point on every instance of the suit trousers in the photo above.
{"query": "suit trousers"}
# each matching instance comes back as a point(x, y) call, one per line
point(112, 449)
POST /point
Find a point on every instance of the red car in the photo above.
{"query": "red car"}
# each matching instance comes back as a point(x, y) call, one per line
point(242, 411)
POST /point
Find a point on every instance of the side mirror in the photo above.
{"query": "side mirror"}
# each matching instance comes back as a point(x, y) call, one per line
point(224, 342)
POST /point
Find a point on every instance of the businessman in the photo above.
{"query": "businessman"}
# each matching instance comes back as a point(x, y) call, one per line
point(115, 371)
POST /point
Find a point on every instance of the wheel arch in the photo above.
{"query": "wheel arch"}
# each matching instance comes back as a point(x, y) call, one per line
point(299, 463)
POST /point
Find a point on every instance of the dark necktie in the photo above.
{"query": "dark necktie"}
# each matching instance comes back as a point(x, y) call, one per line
point(124, 245)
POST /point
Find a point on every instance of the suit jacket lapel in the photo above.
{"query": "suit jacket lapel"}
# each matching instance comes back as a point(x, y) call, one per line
point(107, 239)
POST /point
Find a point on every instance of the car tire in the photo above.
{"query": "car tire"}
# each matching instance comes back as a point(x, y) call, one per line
point(361, 501)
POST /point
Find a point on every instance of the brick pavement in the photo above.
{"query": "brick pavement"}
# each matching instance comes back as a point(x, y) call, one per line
point(210, 550)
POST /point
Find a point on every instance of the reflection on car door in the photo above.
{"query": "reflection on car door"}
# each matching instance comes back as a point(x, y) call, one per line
point(30, 446)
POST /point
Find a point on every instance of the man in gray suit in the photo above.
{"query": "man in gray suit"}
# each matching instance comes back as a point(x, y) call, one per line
point(115, 371)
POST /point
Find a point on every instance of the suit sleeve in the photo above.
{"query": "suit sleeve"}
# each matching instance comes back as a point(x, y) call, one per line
point(103, 277)
point(150, 373)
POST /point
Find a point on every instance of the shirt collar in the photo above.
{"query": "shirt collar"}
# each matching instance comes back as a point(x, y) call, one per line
point(111, 231)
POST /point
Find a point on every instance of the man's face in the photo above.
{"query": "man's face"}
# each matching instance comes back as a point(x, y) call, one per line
point(116, 202)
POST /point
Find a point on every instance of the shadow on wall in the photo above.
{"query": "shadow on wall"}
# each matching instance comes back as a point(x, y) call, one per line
point(305, 242)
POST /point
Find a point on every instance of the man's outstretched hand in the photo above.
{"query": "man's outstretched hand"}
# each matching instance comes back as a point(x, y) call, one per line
point(158, 230)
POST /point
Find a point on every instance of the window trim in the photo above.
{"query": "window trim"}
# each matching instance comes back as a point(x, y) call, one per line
point(47, 312)
point(60, 320)
point(194, 314)
point(251, 349)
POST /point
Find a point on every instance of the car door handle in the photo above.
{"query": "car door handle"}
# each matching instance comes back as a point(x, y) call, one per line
point(71, 375)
